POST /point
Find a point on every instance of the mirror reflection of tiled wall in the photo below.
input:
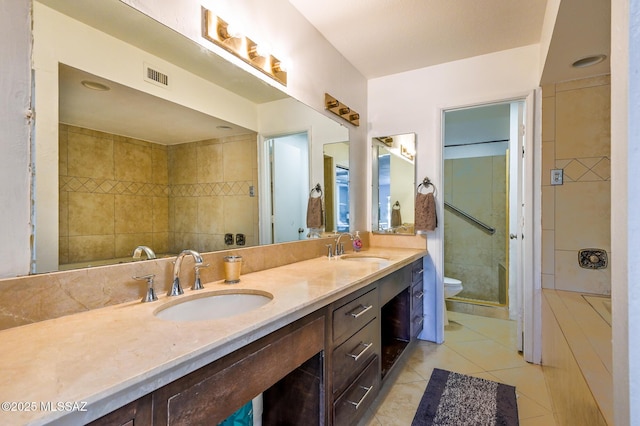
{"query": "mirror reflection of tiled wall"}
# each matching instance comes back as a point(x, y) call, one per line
point(117, 193)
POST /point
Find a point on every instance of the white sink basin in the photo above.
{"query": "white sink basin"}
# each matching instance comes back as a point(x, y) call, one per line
point(364, 258)
point(216, 305)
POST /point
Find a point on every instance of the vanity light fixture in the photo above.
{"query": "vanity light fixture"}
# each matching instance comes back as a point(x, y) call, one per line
point(341, 110)
point(224, 35)
point(94, 85)
point(406, 152)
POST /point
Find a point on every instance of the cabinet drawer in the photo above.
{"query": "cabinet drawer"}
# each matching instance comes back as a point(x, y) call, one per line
point(351, 317)
point(417, 308)
point(350, 357)
point(354, 402)
point(417, 294)
point(417, 271)
point(417, 323)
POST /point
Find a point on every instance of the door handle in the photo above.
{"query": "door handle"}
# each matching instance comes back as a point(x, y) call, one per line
point(513, 237)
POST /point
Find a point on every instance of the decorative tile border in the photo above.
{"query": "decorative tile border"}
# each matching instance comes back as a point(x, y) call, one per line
point(107, 186)
point(589, 169)
point(209, 189)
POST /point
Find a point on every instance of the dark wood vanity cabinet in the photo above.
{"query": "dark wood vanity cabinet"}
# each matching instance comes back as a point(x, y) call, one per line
point(354, 344)
point(370, 331)
point(287, 366)
point(136, 413)
point(209, 395)
point(417, 296)
point(324, 369)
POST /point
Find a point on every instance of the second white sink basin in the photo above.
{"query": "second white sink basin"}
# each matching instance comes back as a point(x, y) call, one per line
point(215, 305)
point(364, 258)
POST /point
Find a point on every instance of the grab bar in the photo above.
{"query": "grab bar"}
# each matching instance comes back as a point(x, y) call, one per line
point(471, 219)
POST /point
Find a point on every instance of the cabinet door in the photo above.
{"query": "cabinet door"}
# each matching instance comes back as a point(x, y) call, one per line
point(136, 413)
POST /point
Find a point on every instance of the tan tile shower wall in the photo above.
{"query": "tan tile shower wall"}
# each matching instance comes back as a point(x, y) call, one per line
point(478, 187)
point(117, 193)
point(209, 193)
point(576, 137)
point(113, 195)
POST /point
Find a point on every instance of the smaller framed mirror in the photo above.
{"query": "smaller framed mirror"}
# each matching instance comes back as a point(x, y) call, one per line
point(393, 184)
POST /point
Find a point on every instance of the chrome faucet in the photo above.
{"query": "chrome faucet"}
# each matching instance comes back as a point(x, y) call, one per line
point(340, 246)
point(176, 289)
point(197, 284)
point(137, 252)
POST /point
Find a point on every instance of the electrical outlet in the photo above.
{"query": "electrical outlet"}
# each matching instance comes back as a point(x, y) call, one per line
point(556, 176)
point(252, 191)
point(228, 239)
point(239, 239)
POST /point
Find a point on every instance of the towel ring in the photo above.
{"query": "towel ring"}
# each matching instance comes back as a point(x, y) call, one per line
point(426, 183)
point(317, 189)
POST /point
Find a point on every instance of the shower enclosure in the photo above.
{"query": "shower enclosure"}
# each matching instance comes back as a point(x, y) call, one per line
point(478, 142)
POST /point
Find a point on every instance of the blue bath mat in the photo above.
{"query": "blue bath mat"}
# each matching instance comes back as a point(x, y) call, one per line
point(461, 400)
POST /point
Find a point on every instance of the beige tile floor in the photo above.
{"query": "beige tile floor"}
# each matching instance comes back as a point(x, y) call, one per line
point(477, 346)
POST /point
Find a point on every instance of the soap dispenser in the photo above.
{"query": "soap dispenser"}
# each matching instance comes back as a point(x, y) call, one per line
point(357, 242)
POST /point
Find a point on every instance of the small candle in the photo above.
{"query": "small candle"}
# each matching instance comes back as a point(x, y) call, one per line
point(232, 267)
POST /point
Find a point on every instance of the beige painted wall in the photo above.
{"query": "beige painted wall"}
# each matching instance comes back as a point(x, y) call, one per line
point(576, 138)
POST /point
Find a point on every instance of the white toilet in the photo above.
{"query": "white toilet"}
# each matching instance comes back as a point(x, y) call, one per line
point(452, 287)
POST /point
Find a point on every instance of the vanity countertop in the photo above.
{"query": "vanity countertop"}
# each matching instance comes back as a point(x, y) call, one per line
point(101, 359)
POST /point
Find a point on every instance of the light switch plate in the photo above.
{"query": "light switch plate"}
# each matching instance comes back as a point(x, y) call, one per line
point(556, 176)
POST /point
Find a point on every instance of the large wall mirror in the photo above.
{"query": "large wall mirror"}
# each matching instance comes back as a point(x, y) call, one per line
point(393, 183)
point(122, 161)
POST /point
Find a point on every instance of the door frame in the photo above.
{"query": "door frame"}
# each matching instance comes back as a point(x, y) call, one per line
point(264, 180)
point(530, 300)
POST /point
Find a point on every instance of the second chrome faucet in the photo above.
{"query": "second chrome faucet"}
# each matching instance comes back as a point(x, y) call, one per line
point(176, 288)
point(339, 247)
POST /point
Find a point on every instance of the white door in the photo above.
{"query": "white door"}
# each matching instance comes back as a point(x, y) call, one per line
point(290, 187)
point(516, 217)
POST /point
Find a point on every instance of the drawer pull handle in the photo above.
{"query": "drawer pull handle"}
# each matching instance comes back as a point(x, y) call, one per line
point(357, 404)
point(366, 348)
point(419, 295)
point(362, 311)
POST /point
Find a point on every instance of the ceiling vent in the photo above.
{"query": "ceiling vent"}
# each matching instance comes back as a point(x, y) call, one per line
point(152, 75)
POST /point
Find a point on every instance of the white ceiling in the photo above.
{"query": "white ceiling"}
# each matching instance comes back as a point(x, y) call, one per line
point(383, 37)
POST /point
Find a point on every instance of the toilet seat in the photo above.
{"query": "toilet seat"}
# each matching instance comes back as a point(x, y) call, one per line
point(449, 280)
